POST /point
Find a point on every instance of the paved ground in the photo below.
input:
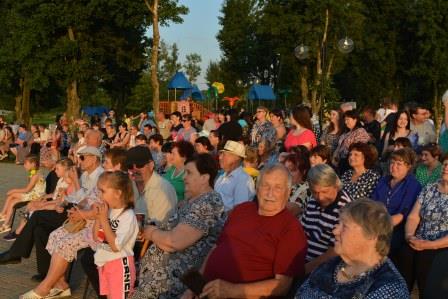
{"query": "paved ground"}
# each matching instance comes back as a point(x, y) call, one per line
point(15, 279)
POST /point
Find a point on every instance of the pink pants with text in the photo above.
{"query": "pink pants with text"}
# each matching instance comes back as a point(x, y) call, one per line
point(117, 278)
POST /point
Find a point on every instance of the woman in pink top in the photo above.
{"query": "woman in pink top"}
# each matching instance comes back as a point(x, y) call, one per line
point(301, 133)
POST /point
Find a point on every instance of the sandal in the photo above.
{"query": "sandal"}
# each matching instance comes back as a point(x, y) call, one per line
point(59, 293)
point(31, 295)
point(4, 228)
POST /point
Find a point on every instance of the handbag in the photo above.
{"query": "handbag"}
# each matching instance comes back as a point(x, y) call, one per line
point(74, 226)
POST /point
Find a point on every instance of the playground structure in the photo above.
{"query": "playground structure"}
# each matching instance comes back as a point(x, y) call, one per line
point(197, 110)
point(190, 100)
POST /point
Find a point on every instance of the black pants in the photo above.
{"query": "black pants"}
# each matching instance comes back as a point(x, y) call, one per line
point(416, 266)
point(89, 267)
point(437, 283)
point(36, 232)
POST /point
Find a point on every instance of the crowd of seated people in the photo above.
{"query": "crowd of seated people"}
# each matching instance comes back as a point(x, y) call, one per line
point(233, 206)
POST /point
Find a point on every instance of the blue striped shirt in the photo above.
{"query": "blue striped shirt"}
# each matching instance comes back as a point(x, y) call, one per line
point(319, 223)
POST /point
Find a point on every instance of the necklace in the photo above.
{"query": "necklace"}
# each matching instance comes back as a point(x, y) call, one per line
point(351, 277)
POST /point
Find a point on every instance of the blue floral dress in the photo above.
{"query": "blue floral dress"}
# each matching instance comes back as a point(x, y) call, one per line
point(433, 213)
point(161, 271)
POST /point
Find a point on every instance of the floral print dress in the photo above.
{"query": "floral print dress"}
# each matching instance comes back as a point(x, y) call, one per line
point(160, 271)
point(433, 213)
point(39, 188)
point(67, 244)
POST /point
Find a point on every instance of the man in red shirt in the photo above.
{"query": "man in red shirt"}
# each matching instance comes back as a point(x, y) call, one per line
point(262, 246)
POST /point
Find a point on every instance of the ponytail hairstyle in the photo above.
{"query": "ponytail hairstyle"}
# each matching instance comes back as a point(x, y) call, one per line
point(119, 180)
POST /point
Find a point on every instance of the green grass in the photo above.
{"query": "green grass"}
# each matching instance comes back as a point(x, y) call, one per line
point(45, 117)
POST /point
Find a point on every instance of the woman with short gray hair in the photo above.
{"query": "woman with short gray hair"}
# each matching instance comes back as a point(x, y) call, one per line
point(321, 214)
point(323, 175)
point(362, 268)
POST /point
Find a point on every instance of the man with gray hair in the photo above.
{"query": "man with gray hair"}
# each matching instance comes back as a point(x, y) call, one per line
point(262, 246)
point(322, 214)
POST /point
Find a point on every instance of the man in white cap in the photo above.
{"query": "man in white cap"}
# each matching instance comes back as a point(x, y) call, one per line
point(234, 185)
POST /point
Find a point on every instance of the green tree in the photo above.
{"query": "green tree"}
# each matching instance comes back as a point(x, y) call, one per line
point(192, 66)
point(319, 25)
point(430, 22)
point(169, 61)
point(213, 73)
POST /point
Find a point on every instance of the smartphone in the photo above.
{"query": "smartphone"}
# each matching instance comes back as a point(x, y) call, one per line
point(194, 281)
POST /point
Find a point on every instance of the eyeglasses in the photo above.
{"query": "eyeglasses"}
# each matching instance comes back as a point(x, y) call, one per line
point(138, 166)
point(184, 120)
point(83, 157)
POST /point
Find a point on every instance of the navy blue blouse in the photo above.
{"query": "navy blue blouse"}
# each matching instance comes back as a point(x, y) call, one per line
point(401, 198)
point(384, 282)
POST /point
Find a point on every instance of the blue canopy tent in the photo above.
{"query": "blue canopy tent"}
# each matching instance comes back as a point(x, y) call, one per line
point(178, 81)
point(90, 111)
point(193, 93)
point(261, 92)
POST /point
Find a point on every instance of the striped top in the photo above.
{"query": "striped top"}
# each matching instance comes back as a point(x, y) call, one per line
point(319, 223)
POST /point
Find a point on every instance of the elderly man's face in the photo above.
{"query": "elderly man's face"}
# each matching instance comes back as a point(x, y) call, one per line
point(227, 160)
point(273, 193)
point(324, 195)
point(88, 162)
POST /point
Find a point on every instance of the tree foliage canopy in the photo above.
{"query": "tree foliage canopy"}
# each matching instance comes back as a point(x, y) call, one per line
point(400, 48)
point(99, 44)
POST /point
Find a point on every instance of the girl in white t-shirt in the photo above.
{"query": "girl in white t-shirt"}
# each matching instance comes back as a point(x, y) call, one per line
point(115, 231)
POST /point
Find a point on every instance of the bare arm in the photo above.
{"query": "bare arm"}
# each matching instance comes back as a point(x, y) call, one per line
point(30, 185)
point(413, 220)
point(181, 237)
point(277, 286)
point(440, 243)
point(397, 219)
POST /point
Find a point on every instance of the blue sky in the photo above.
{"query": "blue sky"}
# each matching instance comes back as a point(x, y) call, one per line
point(197, 33)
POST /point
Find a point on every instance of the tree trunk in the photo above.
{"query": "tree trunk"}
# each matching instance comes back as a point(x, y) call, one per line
point(304, 84)
point(154, 9)
point(436, 105)
point(18, 106)
point(26, 95)
point(22, 107)
point(73, 105)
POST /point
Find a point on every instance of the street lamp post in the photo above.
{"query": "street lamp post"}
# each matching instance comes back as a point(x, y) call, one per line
point(301, 52)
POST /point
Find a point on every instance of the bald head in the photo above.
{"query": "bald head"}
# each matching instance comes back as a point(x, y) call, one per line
point(93, 138)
